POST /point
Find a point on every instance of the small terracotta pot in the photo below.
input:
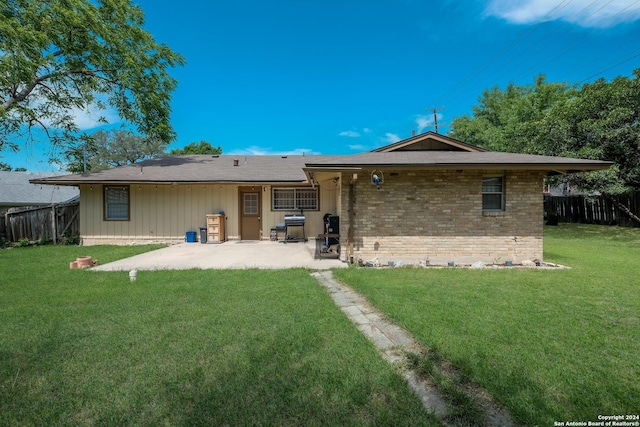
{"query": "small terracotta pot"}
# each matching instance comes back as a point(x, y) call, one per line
point(84, 261)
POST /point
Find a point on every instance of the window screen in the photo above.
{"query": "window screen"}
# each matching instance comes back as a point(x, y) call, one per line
point(287, 199)
point(493, 193)
point(116, 203)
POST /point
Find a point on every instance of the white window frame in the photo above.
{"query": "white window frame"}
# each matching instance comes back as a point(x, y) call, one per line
point(294, 198)
point(117, 205)
point(492, 192)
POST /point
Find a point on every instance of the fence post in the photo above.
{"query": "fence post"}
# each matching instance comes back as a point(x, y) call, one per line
point(54, 231)
point(7, 223)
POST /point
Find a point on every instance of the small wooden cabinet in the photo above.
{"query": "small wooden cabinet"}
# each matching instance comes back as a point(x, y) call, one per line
point(215, 228)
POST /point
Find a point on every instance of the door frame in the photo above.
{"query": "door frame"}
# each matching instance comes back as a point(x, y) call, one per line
point(257, 189)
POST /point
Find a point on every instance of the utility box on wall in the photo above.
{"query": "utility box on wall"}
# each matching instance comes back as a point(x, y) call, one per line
point(215, 228)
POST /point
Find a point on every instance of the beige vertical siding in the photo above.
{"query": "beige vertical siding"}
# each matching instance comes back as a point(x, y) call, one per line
point(165, 213)
point(329, 194)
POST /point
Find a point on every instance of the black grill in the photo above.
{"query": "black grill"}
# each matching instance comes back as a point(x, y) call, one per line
point(294, 221)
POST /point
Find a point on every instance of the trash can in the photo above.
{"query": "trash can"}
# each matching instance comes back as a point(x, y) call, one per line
point(191, 236)
point(203, 234)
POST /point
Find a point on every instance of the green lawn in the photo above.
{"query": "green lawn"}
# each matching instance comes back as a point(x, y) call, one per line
point(549, 345)
point(183, 348)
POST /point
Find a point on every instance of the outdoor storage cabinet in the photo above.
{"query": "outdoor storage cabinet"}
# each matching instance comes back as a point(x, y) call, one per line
point(215, 228)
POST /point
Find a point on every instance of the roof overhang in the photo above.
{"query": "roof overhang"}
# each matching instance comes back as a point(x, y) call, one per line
point(73, 182)
point(555, 168)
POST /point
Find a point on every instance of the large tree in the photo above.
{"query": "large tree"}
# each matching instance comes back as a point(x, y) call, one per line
point(58, 57)
point(203, 147)
point(509, 119)
point(107, 149)
point(599, 121)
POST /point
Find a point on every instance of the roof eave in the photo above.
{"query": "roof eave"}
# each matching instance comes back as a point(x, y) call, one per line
point(164, 182)
point(562, 168)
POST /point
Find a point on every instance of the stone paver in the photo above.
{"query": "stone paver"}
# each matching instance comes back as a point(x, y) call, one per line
point(394, 343)
point(389, 339)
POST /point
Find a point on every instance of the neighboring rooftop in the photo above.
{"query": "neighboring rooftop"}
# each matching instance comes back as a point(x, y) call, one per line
point(16, 190)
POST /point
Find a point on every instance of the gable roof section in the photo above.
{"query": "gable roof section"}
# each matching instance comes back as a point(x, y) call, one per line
point(429, 141)
point(199, 169)
point(16, 190)
point(486, 160)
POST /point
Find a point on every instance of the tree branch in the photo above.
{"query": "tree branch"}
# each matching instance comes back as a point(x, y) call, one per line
point(19, 97)
point(22, 95)
point(624, 208)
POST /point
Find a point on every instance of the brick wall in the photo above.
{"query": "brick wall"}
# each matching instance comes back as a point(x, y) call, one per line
point(439, 214)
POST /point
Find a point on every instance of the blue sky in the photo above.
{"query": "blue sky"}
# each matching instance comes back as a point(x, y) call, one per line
point(340, 77)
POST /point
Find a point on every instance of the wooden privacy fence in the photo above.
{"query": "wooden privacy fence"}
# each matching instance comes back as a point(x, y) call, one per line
point(46, 223)
point(594, 209)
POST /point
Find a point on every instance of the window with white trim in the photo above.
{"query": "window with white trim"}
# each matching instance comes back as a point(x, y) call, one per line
point(287, 199)
point(493, 193)
point(116, 203)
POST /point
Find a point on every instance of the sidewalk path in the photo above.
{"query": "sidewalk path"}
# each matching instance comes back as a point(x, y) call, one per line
point(394, 343)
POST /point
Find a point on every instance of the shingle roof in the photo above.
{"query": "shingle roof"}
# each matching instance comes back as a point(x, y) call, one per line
point(291, 169)
point(15, 189)
point(201, 168)
point(458, 159)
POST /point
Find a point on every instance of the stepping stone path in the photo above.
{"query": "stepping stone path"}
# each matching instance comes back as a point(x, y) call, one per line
point(394, 343)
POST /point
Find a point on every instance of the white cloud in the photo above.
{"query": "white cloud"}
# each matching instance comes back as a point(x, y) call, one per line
point(585, 13)
point(90, 118)
point(357, 147)
point(350, 134)
point(87, 119)
point(255, 150)
point(367, 130)
point(391, 137)
point(423, 122)
point(426, 121)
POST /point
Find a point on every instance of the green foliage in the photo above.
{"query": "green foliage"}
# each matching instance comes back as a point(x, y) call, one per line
point(22, 243)
point(107, 149)
point(69, 240)
point(599, 121)
point(203, 147)
point(5, 167)
point(508, 120)
point(548, 345)
point(61, 56)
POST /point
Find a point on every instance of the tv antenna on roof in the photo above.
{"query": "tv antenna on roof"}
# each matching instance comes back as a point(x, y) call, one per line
point(435, 117)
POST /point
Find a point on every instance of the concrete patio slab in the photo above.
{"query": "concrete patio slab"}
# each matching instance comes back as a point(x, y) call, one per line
point(228, 255)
